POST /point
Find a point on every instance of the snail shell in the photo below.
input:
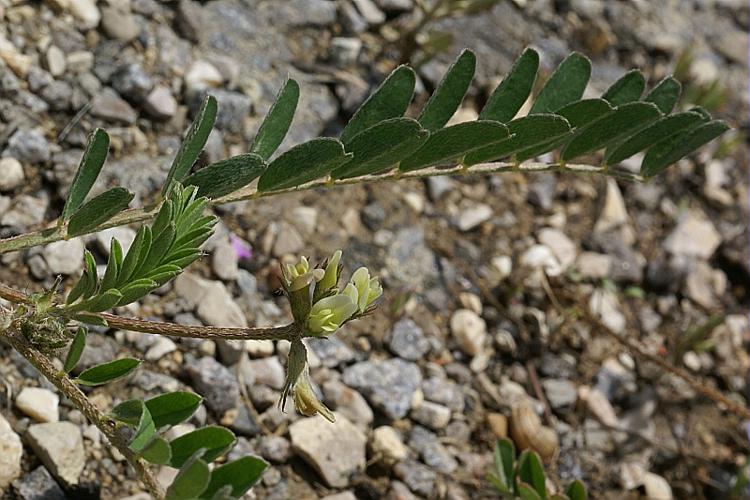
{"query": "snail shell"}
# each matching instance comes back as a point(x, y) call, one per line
point(528, 432)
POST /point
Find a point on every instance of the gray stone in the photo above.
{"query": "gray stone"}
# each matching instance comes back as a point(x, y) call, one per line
point(388, 385)
point(11, 174)
point(694, 236)
point(215, 383)
point(40, 404)
point(160, 103)
point(311, 12)
point(469, 330)
point(288, 241)
point(55, 60)
point(119, 24)
point(99, 349)
point(28, 146)
point(433, 453)
point(132, 82)
point(542, 191)
point(38, 485)
point(395, 5)
point(370, 12)
point(472, 216)
point(188, 18)
point(65, 256)
point(58, 95)
point(444, 391)
point(560, 393)
point(216, 307)
point(433, 415)
point(275, 449)
point(438, 186)
point(418, 477)
point(85, 11)
point(108, 106)
point(347, 402)
point(11, 452)
point(594, 265)
point(388, 444)
point(267, 371)
point(407, 340)
point(345, 51)
point(410, 260)
point(332, 351)
point(562, 247)
point(234, 108)
point(335, 451)
point(59, 445)
point(26, 211)
point(224, 261)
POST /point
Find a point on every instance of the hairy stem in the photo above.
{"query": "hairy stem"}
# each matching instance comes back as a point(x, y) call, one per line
point(66, 387)
point(54, 233)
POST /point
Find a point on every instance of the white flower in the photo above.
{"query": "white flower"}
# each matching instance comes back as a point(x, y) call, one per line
point(368, 289)
point(328, 314)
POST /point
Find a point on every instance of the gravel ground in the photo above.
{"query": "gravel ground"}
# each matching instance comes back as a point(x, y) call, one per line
point(497, 289)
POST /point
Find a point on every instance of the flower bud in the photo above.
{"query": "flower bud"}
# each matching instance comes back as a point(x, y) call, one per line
point(307, 401)
point(330, 276)
point(329, 313)
point(368, 289)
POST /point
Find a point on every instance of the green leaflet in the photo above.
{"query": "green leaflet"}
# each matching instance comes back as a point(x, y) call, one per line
point(513, 91)
point(76, 349)
point(565, 85)
point(108, 372)
point(449, 93)
point(213, 440)
point(627, 89)
point(527, 492)
point(662, 129)
point(191, 481)
point(99, 210)
point(173, 408)
point(624, 121)
point(195, 140)
point(277, 122)
point(670, 150)
point(526, 132)
point(91, 164)
point(530, 471)
point(504, 458)
point(452, 143)
point(577, 491)
point(303, 163)
point(113, 265)
point(158, 452)
point(381, 147)
point(390, 100)
point(145, 432)
point(240, 475)
point(585, 111)
point(227, 176)
point(665, 94)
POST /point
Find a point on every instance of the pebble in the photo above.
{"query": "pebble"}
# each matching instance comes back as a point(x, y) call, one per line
point(40, 404)
point(118, 24)
point(418, 477)
point(388, 385)
point(108, 106)
point(160, 348)
point(202, 74)
point(606, 305)
point(345, 51)
point(562, 247)
point(560, 393)
point(334, 450)
point(705, 285)
point(217, 308)
point(594, 265)
point(695, 236)
point(276, 449)
point(433, 415)
point(386, 444)
point(215, 383)
point(55, 60)
point(288, 241)
point(444, 391)
point(471, 217)
point(344, 495)
point(469, 330)
point(26, 211)
point(541, 257)
point(267, 371)
point(11, 174)
point(28, 146)
point(498, 424)
point(85, 11)
point(132, 82)
point(11, 452)
point(370, 12)
point(160, 103)
point(395, 5)
point(432, 451)
point(80, 61)
point(38, 485)
point(59, 445)
point(224, 261)
point(407, 340)
point(64, 257)
point(614, 213)
point(347, 402)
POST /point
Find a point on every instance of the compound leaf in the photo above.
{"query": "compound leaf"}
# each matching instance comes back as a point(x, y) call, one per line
point(390, 100)
point(277, 122)
point(99, 210)
point(627, 89)
point(303, 163)
point(382, 146)
point(668, 151)
point(226, 176)
point(454, 142)
point(91, 164)
point(513, 91)
point(566, 84)
point(450, 92)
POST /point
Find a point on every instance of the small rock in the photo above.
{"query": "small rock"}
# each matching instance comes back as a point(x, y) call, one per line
point(705, 285)
point(55, 60)
point(542, 191)
point(11, 174)
point(370, 12)
point(732, 45)
point(345, 51)
point(215, 383)
point(40, 404)
point(433, 415)
point(38, 485)
point(234, 107)
point(202, 74)
point(160, 103)
point(132, 82)
point(614, 213)
point(11, 452)
point(267, 371)
point(605, 305)
point(85, 11)
point(28, 146)
point(275, 449)
point(386, 443)
point(469, 330)
point(433, 452)
point(59, 445)
point(347, 402)
point(418, 477)
point(473, 216)
point(119, 25)
point(656, 486)
point(395, 5)
point(311, 12)
point(79, 62)
point(160, 348)
point(224, 261)
point(562, 247)
point(64, 257)
point(407, 340)
point(335, 450)
point(694, 236)
point(541, 257)
point(561, 393)
point(288, 241)
point(217, 308)
point(344, 495)
point(594, 265)
point(388, 385)
point(26, 211)
point(498, 424)
point(108, 106)
point(445, 392)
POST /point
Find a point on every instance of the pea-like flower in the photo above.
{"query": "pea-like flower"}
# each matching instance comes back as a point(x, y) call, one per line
point(329, 313)
point(368, 289)
point(299, 275)
point(306, 401)
point(330, 275)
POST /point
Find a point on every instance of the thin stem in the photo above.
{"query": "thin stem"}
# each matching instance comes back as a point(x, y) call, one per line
point(66, 386)
point(54, 233)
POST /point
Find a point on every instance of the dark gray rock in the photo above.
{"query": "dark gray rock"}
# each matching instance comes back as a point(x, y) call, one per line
point(418, 477)
point(132, 82)
point(234, 108)
point(444, 391)
point(411, 261)
point(432, 451)
point(407, 340)
point(215, 383)
point(110, 107)
point(244, 423)
point(331, 351)
point(58, 95)
point(39, 485)
point(542, 191)
point(389, 385)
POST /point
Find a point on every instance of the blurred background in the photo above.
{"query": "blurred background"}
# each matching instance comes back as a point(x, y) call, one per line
point(497, 289)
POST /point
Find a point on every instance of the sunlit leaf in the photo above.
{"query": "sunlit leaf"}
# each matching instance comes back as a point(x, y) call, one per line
point(566, 84)
point(449, 93)
point(513, 91)
point(277, 122)
point(99, 210)
point(97, 148)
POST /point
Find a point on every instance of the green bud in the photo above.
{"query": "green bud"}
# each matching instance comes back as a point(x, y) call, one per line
point(330, 276)
point(329, 313)
point(368, 289)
